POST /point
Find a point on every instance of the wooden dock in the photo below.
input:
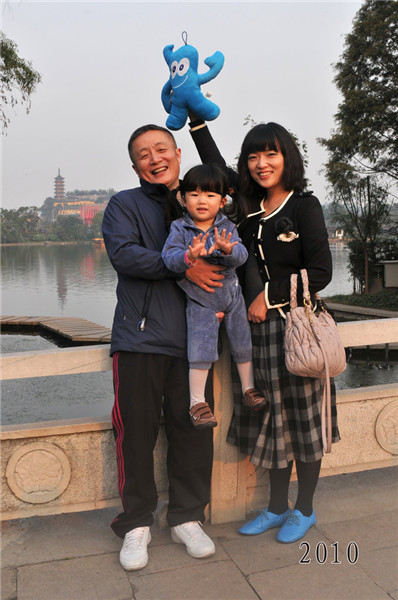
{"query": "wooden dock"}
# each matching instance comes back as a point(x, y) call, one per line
point(79, 331)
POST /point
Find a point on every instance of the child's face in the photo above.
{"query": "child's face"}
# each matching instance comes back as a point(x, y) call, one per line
point(203, 207)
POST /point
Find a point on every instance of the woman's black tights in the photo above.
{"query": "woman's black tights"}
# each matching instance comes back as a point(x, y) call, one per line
point(307, 476)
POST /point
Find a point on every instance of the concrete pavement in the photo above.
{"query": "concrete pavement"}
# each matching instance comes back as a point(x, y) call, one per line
point(75, 556)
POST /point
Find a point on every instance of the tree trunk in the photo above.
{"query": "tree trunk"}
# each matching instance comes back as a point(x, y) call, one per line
point(366, 261)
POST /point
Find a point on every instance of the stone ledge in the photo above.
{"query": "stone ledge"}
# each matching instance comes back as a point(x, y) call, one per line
point(59, 427)
point(237, 486)
point(362, 310)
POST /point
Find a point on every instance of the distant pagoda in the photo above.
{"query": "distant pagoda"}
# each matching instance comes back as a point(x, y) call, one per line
point(59, 188)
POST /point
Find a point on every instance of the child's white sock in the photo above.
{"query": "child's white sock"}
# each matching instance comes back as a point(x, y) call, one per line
point(197, 385)
point(246, 374)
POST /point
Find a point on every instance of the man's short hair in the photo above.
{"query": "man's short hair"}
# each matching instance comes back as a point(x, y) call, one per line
point(142, 130)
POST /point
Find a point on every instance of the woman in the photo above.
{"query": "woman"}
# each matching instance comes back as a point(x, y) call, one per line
point(283, 230)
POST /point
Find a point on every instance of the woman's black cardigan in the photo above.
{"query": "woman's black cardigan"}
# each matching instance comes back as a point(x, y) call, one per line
point(310, 250)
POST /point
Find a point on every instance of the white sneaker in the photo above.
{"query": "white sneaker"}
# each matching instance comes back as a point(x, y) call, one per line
point(197, 543)
point(133, 554)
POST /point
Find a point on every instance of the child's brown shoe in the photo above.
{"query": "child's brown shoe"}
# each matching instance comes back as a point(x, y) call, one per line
point(201, 416)
point(254, 399)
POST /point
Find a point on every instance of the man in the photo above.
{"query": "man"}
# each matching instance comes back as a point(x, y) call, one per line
point(150, 368)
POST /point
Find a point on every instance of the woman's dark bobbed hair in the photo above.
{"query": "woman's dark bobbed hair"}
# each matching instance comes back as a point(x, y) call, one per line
point(270, 136)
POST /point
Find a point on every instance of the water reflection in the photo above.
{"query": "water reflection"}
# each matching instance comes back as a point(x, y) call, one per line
point(341, 282)
point(76, 281)
point(361, 375)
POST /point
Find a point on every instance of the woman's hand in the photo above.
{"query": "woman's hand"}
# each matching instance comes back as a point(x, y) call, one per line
point(257, 309)
point(205, 275)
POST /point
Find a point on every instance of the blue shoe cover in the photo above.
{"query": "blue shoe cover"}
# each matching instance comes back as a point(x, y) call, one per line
point(265, 520)
point(295, 527)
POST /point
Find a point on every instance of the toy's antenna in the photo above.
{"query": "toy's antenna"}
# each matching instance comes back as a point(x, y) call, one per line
point(184, 36)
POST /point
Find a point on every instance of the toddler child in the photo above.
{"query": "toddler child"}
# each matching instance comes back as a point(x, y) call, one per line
point(205, 232)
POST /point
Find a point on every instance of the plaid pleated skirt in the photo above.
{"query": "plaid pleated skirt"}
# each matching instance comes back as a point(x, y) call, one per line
point(290, 427)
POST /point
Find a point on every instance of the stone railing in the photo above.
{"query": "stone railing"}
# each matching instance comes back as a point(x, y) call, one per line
point(65, 466)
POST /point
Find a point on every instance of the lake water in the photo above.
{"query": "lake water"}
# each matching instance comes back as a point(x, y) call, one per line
point(58, 281)
point(78, 281)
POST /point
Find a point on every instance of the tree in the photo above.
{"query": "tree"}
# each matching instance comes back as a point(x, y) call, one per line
point(47, 210)
point(365, 140)
point(361, 207)
point(96, 226)
point(70, 229)
point(18, 79)
point(19, 225)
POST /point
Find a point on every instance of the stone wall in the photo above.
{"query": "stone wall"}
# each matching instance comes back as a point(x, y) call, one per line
point(67, 466)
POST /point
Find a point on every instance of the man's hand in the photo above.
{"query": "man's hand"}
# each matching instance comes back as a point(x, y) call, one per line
point(205, 275)
point(257, 309)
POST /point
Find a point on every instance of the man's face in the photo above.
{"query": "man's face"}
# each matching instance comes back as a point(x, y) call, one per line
point(156, 159)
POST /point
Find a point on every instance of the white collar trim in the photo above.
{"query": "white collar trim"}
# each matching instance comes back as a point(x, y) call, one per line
point(277, 209)
point(259, 212)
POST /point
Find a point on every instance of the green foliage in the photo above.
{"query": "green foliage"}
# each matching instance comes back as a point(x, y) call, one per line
point(386, 249)
point(70, 229)
point(366, 136)
point(361, 207)
point(96, 226)
point(23, 225)
point(386, 299)
point(46, 210)
point(356, 263)
point(363, 148)
point(382, 249)
point(19, 225)
point(18, 79)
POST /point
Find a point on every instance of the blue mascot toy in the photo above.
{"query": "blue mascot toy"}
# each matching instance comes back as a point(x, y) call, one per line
point(182, 92)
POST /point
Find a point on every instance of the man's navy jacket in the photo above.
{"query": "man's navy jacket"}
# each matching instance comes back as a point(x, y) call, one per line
point(134, 233)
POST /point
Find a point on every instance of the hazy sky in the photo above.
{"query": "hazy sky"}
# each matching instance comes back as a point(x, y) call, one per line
point(103, 70)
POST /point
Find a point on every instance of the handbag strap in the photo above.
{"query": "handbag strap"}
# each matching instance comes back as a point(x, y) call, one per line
point(326, 411)
point(293, 290)
point(306, 289)
point(326, 407)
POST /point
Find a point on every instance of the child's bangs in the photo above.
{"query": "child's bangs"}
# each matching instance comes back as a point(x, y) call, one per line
point(206, 178)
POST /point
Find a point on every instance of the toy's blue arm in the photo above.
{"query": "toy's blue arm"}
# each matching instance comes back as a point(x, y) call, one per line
point(166, 96)
point(216, 63)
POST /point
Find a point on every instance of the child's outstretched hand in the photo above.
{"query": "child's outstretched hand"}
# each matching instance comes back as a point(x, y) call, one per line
point(222, 242)
point(197, 248)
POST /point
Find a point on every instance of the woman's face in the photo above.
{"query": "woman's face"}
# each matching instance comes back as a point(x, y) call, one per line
point(266, 168)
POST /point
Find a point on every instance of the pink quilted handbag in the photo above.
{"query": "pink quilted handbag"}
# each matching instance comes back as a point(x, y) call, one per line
point(313, 348)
